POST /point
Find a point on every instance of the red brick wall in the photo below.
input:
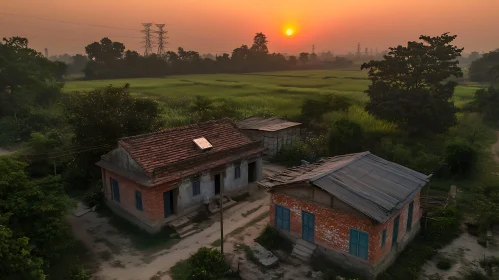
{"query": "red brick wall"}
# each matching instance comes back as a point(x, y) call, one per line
point(332, 227)
point(152, 198)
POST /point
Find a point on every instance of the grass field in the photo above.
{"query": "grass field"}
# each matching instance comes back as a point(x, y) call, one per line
point(279, 92)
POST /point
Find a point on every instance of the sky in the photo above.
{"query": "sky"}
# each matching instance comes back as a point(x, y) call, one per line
point(217, 26)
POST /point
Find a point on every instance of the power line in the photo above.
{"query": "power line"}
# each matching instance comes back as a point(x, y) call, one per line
point(70, 22)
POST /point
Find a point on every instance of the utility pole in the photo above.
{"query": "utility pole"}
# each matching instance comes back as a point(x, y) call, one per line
point(358, 49)
point(147, 38)
point(161, 38)
point(313, 48)
point(221, 216)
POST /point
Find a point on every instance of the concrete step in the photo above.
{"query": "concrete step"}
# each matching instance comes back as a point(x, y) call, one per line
point(185, 234)
point(187, 228)
point(307, 244)
point(179, 223)
point(303, 248)
point(305, 254)
point(300, 257)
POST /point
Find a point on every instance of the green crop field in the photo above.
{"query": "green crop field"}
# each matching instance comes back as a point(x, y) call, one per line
point(278, 92)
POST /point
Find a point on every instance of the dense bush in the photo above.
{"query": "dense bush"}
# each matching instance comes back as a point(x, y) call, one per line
point(205, 264)
point(444, 263)
point(311, 150)
point(480, 69)
point(345, 137)
point(272, 240)
point(313, 109)
point(460, 157)
point(442, 226)
point(94, 197)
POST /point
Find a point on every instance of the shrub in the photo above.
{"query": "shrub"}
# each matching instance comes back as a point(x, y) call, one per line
point(444, 263)
point(314, 108)
point(311, 149)
point(345, 137)
point(272, 240)
point(460, 156)
point(442, 226)
point(78, 272)
point(94, 197)
point(208, 264)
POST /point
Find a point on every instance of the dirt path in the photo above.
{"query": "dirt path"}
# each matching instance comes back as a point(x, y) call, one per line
point(495, 149)
point(4, 152)
point(130, 264)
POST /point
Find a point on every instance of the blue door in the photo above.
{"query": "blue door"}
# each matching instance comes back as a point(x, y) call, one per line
point(307, 228)
point(168, 203)
point(395, 231)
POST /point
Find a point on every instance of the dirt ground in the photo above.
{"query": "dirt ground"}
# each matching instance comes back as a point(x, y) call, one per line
point(4, 152)
point(466, 254)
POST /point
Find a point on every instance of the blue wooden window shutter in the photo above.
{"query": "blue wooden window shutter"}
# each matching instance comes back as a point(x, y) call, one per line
point(282, 218)
point(196, 187)
point(237, 172)
point(359, 243)
point(115, 186)
point(138, 200)
point(409, 216)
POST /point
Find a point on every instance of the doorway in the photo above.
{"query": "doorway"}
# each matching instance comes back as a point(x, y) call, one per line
point(168, 203)
point(251, 172)
point(308, 226)
point(218, 183)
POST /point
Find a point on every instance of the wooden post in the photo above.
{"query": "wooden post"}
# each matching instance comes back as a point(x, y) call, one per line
point(427, 200)
point(221, 216)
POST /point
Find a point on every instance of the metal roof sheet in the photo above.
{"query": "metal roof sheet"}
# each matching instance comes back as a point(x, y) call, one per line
point(265, 124)
point(372, 185)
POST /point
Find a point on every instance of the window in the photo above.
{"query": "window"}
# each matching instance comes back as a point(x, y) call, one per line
point(138, 200)
point(115, 190)
point(409, 216)
point(383, 238)
point(282, 217)
point(237, 172)
point(358, 243)
point(196, 187)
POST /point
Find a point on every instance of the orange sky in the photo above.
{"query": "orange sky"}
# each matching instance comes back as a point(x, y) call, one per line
point(221, 25)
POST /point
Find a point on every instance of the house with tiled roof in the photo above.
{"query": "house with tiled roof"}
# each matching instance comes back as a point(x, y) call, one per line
point(358, 210)
point(154, 178)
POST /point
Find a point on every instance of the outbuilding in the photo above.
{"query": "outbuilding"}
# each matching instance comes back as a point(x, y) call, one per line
point(155, 178)
point(273, 132)
point(359, 210)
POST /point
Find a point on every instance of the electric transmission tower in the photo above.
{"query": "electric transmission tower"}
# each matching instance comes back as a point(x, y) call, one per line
point(161, 38)
point(313, 49)
point(358, 49)
point(147, 38)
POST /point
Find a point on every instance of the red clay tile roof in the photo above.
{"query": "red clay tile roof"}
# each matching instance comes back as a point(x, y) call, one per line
point(154, 150)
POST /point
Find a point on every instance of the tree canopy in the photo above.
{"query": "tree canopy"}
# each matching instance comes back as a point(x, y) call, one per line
point(483, 69)
point(411, 85)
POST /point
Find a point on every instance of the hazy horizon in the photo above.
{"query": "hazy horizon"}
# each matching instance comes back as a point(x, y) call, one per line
point(222, 25)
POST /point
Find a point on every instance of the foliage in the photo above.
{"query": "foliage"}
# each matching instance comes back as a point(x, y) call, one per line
point(410, 86)
point(313, 109)
point(94, 197)
point(486, 205)
point(34, 211)
point(442, 226)
point(345, 137)
point(444, 263)
point(486, 101)
point(78, 272)
point(100, 117)
point(272, 240)
point(310, 149)
point(475, 274)
point(460, 157)
point(205, 264)
point(481, 69)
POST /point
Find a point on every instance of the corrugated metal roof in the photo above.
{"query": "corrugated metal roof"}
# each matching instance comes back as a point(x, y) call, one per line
point(265, 124)
point(372, 185)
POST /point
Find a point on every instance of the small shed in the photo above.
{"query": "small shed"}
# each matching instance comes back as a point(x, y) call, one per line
point(273, 132)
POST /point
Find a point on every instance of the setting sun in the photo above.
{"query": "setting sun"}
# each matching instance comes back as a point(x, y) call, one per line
point(289, 31)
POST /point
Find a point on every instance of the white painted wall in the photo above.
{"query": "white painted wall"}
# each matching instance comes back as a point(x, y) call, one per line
point(186, 199)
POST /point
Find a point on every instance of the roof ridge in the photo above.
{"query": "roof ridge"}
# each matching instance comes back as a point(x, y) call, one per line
point(359, 156)
point(223, 120)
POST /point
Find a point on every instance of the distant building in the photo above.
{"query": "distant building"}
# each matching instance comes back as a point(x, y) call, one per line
point(358, 210)
point(273, 132)
point(153, 179)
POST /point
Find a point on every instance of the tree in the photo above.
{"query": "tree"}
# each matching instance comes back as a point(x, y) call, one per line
point(202, 108)
point(481, 70)
point(410, 86)
point(100, 117)
point(345, 137)
point(260, 44)
point(105, 51)
point(460, 156)
point(292, 60)
point(487, 102)
point(303, 57)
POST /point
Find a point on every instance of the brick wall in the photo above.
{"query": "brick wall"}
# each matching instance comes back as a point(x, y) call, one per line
point(332, 227)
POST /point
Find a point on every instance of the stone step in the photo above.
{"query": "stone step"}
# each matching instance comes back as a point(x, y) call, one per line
point(179, 223)
point(303, 248)
point(304, 254)
point(185, 234)
point(187, 228)
point(299, 256)
point(307, 244)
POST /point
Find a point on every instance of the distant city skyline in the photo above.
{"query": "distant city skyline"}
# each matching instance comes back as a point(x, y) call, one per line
point(219, 26)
